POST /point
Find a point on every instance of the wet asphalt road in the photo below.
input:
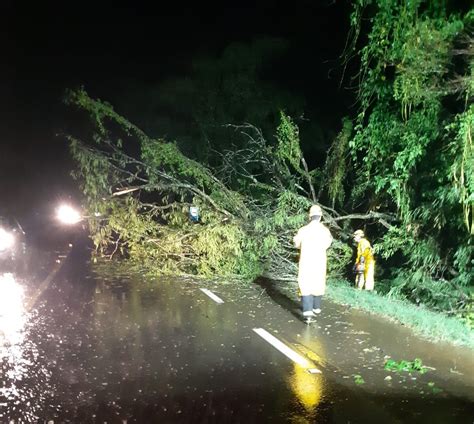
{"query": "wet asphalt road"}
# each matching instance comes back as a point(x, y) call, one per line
point(88, 348)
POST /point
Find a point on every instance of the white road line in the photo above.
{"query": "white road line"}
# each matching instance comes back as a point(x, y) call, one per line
point(277, 344)
point(212, 296)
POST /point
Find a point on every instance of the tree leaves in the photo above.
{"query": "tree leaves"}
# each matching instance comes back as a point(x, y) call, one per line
point(412, 146)
point(143, 188)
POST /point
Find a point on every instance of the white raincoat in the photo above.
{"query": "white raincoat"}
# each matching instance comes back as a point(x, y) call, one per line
point(313, 240)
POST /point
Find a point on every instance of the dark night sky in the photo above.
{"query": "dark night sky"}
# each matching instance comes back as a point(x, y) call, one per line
point(54, 45)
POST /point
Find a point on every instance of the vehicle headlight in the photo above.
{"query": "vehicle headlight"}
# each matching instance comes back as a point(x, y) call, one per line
point(7, 240)
point(68, 215)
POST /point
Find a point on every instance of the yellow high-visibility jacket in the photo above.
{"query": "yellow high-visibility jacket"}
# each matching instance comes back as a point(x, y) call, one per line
point(313, 240)
point(366, 280)
point(364, 249)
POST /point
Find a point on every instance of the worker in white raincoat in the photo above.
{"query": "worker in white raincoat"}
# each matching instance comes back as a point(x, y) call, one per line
point(313, 240)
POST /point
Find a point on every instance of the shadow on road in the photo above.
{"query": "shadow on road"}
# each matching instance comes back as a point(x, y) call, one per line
point(291, 305)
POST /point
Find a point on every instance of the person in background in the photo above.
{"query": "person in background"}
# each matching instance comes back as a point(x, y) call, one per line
point(313, 240)
point(364, 266)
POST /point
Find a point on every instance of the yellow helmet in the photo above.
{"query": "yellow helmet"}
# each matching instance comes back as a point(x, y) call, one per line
point(358, 233)
point(315, 210)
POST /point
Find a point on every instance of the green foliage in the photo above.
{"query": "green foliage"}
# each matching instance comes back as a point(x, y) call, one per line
point(407, 366)
point(406, 160)
point(290, 161)
point(462, 168)
point(412, 147)
point(138, 202)
point(335, 171)
point(422, 60)
point(429, 324)
point(288, 143)
point(434, 389)
point(339, 257)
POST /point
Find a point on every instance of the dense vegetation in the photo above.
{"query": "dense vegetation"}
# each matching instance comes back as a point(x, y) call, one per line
point(402, 167)
point(412, 147)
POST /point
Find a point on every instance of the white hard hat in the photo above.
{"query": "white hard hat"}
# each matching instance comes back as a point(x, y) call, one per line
point(315, 210)
point(358, 233)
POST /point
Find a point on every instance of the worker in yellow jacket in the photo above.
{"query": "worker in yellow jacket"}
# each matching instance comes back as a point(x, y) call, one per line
point(313, 240)
point(365, 263)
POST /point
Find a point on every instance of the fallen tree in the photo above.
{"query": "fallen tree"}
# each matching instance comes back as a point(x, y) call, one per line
point(405, 164)
point(139, 190)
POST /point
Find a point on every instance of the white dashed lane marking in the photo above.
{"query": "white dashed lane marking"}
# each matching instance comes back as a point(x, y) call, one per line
point(290, 353)
point(215, 298)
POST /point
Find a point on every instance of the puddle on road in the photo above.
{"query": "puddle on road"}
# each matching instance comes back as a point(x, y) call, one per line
point(140, 352)
point(355, 346)
point(128, 349)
